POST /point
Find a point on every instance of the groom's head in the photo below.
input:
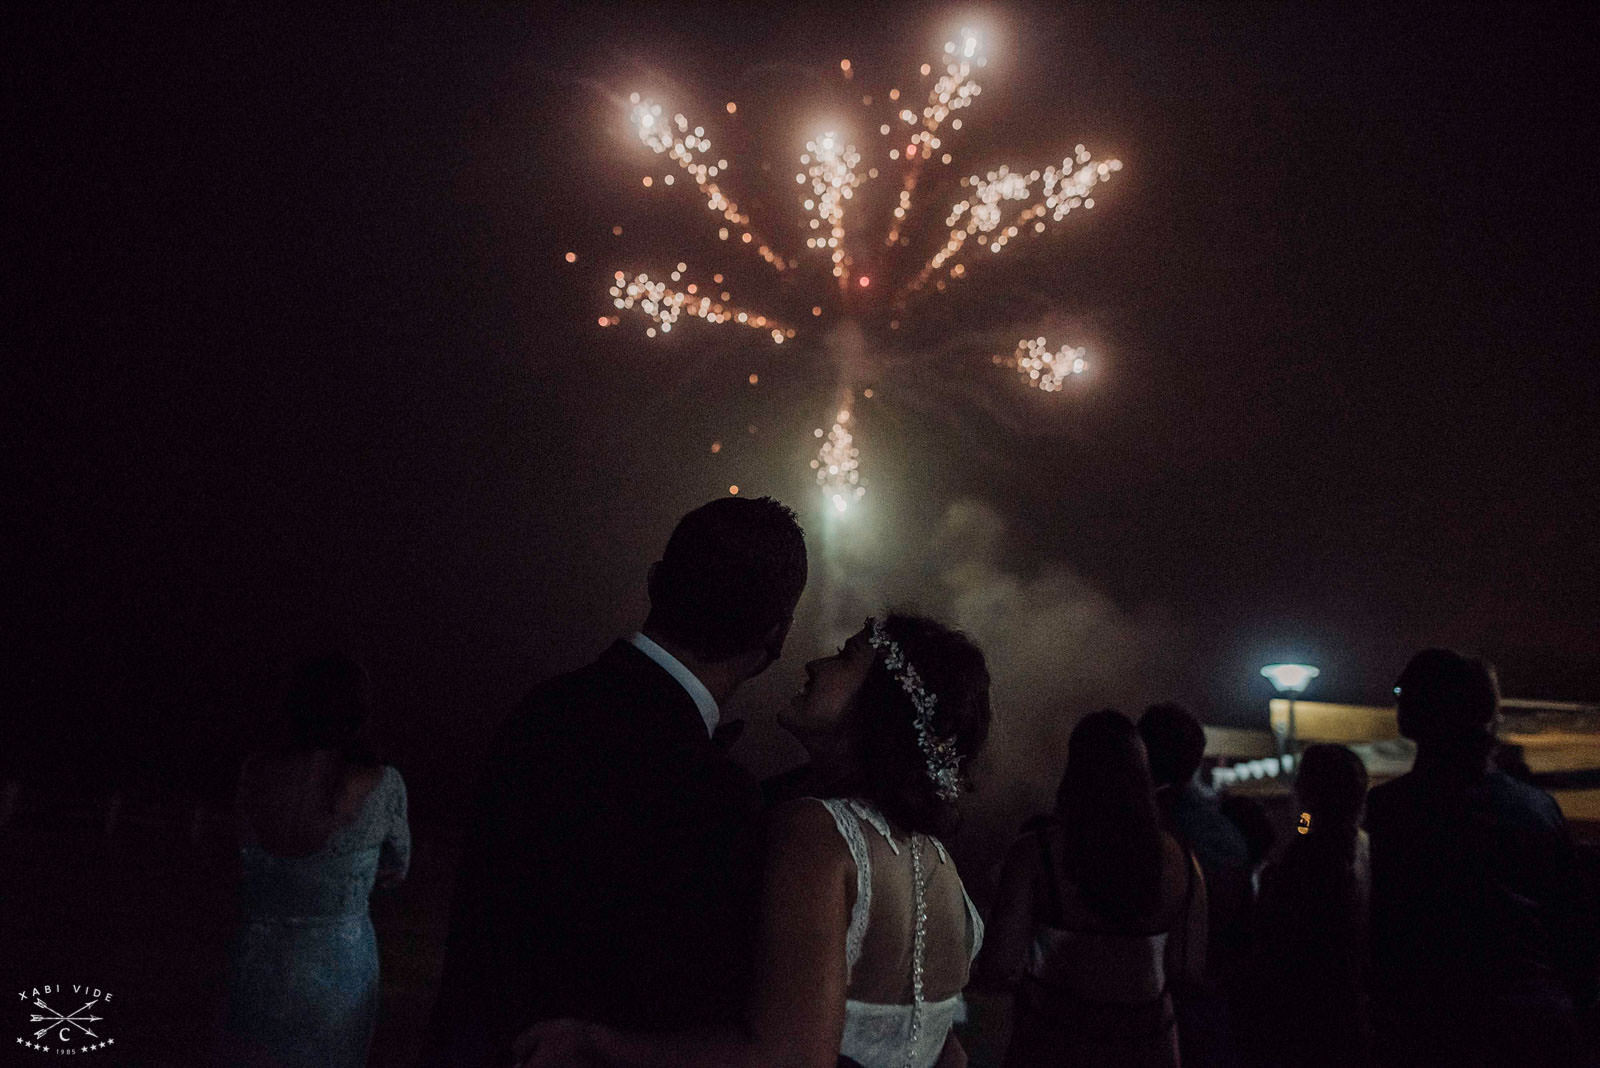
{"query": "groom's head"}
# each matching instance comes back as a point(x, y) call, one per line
point(727, 585)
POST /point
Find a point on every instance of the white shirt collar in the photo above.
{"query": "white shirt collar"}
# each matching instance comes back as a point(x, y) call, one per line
point(686, 678)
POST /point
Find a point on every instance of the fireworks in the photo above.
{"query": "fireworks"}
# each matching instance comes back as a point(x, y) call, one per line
point(838, 465)
point(1042, 368)
point(1054, 192)
point(986, 213)
point(664, 306)
point(680, 144)
point(954, 90)
point(831, 167)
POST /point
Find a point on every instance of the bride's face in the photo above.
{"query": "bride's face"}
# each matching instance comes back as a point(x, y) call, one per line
point(832, 682)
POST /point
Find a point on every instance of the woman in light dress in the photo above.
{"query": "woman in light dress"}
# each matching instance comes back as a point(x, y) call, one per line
point(321, 822)
point(867, 931)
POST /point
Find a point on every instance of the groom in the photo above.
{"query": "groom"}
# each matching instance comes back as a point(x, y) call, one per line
point(611, 866)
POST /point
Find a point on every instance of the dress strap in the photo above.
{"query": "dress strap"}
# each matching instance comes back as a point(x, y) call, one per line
point(845, 815)
point(873, 818)
point(1052, 890)
point(1193, 874)
point(974, 926)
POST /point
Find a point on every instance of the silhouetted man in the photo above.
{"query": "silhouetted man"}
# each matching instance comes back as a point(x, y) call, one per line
point(611, 870)
point(1483, 949)
point(1176, 743)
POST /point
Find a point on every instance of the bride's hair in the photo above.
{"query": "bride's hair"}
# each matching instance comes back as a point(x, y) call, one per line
point(328, 706)
point(884, 764)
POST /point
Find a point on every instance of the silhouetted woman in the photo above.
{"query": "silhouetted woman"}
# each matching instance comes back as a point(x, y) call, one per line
point(320, 822)
point(1097, 911)
point(1311, 966)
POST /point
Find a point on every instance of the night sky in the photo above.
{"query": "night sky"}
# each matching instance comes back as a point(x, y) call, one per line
point(294, 362)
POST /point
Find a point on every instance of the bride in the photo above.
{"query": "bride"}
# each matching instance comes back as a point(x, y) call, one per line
point(867, 932)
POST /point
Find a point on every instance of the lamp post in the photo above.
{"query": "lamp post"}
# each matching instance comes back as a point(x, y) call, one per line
point(1290, 680)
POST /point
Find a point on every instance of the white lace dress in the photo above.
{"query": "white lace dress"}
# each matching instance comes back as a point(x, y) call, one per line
point(893, 1036)
point(303, 965)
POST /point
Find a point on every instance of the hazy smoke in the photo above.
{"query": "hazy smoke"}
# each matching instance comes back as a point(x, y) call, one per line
point(1057, 648)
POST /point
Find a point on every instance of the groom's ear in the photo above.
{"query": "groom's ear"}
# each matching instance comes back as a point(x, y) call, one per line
point(754, 661)
point(776, 637)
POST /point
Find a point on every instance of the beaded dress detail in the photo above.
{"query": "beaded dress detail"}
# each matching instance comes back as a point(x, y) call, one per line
point(894, 1036)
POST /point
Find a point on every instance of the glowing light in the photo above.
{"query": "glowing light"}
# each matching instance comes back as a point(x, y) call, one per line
point(986, 212)
point(734, 490)
point(664, 306)
point(616, 231)
point(677, 143)
point(831, 171)
point(954, 90)
point(1042, 368)
point(838, 463)
point(571, 257)
point(1290, 678)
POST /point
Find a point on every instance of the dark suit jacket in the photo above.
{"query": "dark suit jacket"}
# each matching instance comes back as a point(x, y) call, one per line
point(611, 871)
point(1479, 924)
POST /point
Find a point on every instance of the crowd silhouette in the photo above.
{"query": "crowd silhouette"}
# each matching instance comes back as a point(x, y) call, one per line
point(630, 895)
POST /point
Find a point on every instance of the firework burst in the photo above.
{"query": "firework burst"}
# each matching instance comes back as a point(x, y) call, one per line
point(985, 214)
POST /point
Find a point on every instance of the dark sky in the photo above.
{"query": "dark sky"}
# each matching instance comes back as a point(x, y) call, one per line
point(294, 361)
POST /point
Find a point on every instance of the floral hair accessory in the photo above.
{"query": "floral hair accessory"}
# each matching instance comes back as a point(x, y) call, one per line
point(944, 763)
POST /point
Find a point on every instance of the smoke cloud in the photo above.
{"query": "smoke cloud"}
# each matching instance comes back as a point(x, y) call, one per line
point(1057, 646)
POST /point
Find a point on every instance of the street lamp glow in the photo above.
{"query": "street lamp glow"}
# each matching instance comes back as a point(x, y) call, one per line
point(1290, 678)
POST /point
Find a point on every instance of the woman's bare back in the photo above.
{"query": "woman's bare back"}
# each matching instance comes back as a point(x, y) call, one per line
point(294, 802)
point(883, 974)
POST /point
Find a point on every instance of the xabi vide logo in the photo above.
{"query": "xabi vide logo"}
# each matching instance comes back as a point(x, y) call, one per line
point(65, 1032)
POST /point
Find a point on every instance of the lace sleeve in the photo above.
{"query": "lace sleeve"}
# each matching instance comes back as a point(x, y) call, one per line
point(394, 856)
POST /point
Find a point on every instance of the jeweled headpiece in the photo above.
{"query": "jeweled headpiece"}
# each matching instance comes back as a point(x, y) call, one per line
point(943, 762)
